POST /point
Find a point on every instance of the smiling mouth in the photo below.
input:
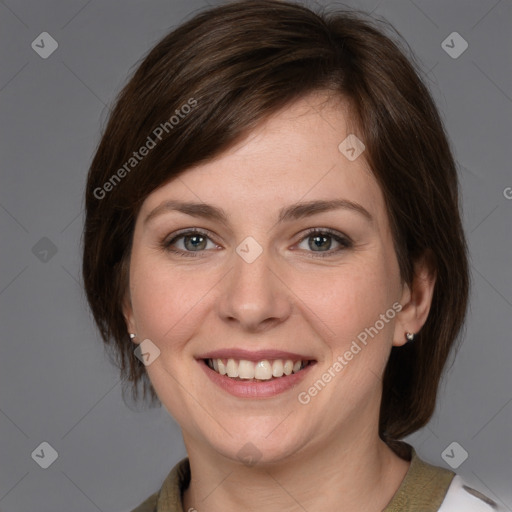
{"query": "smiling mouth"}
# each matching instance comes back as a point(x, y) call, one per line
point(264, 370)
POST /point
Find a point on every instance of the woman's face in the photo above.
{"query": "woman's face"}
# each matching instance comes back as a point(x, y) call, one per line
point(257, 281)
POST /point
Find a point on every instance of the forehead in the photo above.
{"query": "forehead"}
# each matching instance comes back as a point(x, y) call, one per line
point(293, 155)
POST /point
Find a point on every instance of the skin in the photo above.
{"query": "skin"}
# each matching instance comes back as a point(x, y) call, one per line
point(323, 455)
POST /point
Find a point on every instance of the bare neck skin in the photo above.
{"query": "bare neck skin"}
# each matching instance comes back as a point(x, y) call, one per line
point(354, 471)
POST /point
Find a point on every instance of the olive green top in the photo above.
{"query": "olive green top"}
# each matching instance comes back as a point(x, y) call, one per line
point(423, 488)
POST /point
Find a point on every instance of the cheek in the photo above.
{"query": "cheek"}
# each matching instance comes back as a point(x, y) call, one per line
point(356, 303)
point(354, 296)
point(163, 299)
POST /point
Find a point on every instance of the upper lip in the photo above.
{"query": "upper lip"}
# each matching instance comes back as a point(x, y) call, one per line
point(258, 355)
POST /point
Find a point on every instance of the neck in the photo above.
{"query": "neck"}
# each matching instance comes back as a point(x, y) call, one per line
point(357, 472)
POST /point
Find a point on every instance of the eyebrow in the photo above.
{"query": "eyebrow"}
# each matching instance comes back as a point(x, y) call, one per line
point(293, 212)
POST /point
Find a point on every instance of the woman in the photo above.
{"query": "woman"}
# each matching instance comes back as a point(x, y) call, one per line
point(273, 250)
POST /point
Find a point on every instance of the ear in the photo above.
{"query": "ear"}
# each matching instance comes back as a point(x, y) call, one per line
point(416, 299)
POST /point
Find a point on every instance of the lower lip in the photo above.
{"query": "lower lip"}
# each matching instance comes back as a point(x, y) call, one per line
point(254, 389)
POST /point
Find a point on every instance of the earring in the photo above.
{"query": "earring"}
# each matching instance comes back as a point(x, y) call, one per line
point(410, 336)
point(132, 336)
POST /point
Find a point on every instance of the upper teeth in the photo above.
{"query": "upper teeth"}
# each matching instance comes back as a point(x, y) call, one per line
point(261, 370)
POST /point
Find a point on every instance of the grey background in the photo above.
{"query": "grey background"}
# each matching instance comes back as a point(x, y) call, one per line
point(57, 384)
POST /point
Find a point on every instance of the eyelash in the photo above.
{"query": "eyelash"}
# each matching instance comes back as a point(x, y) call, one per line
point(343, 240)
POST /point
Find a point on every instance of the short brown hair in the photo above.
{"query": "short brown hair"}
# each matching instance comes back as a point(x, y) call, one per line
point(239, 63)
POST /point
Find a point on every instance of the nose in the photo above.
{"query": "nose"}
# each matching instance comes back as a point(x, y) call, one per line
point(254, 295)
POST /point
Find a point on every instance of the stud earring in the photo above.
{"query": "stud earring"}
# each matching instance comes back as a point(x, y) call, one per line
point(410, 336)
point(132, 336)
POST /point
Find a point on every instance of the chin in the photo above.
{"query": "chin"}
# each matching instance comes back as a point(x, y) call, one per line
point(255, 446)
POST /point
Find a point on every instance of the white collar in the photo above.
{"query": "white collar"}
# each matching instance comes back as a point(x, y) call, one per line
point(461, 497)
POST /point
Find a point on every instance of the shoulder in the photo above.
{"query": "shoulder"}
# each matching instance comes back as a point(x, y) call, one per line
point(430, 488)
point(148, 505)
point(460, 496)
point(168, 497)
